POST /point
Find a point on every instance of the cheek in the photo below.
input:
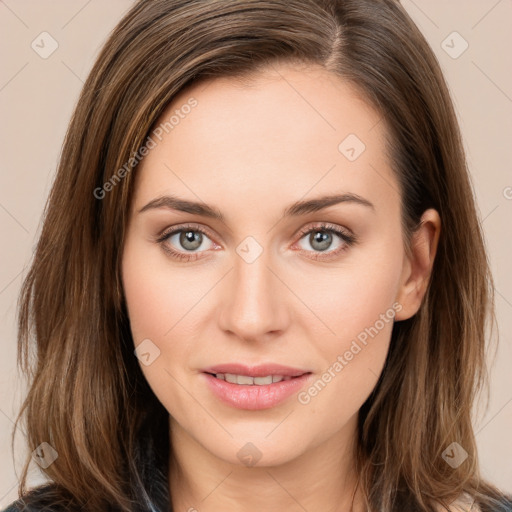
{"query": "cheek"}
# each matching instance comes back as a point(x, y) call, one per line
point(148, 300)
point(158, 296)
point(356, 305)
point(165, 304)
point(349, 297)
point(158, 301)
point(353, 358)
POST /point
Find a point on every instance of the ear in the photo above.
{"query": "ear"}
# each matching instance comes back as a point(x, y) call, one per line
point(418, 265)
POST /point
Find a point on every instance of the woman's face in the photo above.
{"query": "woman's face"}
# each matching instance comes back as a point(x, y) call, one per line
point(265, 242)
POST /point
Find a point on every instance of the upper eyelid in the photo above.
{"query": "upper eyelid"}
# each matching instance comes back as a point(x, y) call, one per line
point(176, 229)
point(324, 226)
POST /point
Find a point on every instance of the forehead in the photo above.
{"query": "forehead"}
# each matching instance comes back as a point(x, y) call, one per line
point(275, 137)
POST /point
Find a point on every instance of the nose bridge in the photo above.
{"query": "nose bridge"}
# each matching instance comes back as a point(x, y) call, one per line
point(253, 305)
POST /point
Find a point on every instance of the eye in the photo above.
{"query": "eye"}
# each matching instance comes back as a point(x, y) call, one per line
point(184, 242)
point(326, 240)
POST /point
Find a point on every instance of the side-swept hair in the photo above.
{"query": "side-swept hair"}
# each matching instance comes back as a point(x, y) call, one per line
point(88, 397)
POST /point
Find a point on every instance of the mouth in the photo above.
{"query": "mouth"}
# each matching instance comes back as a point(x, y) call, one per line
point(247, 380)
point(259, 371)
point(255, 388)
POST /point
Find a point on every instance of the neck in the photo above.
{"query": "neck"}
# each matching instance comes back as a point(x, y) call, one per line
point(321, 478)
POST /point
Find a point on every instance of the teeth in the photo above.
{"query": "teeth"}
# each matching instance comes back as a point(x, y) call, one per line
point(230, 378)
point(242, 379)
point(251, 381)
point(261, 381)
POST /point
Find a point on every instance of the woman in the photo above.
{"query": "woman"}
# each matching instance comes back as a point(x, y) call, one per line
point(258, 274)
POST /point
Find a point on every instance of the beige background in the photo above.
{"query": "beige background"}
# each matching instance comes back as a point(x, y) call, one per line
point(37, 97)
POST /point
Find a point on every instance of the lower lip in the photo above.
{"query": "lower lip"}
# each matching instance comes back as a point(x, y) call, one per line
point(255, 397)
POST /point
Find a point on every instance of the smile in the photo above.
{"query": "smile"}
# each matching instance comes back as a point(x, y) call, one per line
point(251, 381)
point(254, 393)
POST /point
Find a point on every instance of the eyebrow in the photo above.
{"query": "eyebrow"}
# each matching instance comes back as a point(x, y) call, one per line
point(296, 209)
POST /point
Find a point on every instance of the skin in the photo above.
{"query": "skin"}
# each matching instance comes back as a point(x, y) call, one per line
point(251, 149)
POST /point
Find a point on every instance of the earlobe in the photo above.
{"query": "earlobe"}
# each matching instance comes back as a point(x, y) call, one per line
point(418, 264)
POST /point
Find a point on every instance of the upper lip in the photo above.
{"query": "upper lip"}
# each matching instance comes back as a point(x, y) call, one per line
point(261, 370)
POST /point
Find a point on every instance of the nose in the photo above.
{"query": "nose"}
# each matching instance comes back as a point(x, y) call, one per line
point(254, 306)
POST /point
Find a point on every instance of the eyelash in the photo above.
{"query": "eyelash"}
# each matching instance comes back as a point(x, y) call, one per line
point(348, 239)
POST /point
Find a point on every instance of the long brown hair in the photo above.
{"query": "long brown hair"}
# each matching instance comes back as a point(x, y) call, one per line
point(88, 398)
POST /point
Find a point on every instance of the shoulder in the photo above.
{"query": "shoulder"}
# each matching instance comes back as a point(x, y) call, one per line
point(44, 498)
point(22, 505)
point(16, 506)
point(465, 503)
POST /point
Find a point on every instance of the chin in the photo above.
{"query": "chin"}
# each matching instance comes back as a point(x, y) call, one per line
point(257, 451)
